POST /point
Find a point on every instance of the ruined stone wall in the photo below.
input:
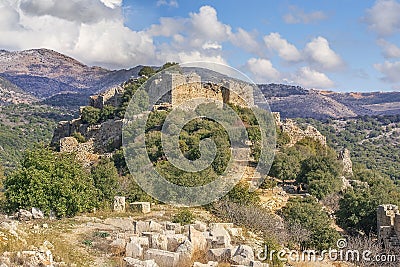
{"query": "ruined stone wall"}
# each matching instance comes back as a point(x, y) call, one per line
point(296, 133)
point(111, 97)
point(388, 225)
point(84, 151)
point(183, 88)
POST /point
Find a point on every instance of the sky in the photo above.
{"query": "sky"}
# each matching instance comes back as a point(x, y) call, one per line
point(340, 45)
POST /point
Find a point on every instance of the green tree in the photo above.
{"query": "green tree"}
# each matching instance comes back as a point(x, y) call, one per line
point(107, 112)
point(105, 178)
point(147, 71)
point(357, 210)
point(50, 181)
point(308, 214)
point(90, 115)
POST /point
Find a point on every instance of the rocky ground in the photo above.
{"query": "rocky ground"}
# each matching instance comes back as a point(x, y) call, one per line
point(128, 239)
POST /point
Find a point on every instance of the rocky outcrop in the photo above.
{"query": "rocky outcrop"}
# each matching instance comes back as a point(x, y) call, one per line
point(344, 156)
point(295, 133)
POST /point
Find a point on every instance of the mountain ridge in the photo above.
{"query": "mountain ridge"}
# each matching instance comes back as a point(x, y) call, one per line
point(59, 80)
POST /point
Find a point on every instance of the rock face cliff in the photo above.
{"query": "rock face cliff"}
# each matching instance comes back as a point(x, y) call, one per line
point(295, 133)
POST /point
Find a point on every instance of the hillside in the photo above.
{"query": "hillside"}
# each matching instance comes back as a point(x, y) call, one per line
point(51, 76)
point(12, 94)
point(297, 102)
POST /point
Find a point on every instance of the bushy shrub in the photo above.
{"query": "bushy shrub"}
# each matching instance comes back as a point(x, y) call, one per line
point(90, 115)
point(184, 216)
point(51, 182)
point(105, 178)
point(79, 137)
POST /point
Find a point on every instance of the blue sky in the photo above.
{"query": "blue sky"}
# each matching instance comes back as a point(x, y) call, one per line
point(334, 45)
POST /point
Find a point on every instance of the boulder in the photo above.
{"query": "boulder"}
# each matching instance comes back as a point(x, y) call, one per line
point(221, 237)
point(163, 258)
point(37, 213)
point(198, 239)
point(143, 241)
point(24, 215)
point(141, 226)
point(119, 204)
point(174, 241)
point(156, 227)
point(209, 264)
point(142, 207)
point(131, 262)
point(185, 251)
point(200, 226)
point(134, 250)
point(159, 241)
point(243, 255)
point(219, 254)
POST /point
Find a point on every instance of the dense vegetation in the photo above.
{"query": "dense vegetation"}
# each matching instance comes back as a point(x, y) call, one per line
point(56, 182)
point(374, 142)
point(22, 126)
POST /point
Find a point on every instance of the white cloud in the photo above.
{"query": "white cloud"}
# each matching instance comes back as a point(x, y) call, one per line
point(245, 40)
point(212, 45)
point(168, 27)
point(389, 50)
point(77, 10)
point(319, 53)
point(297, 15)
point(310, 78)
point(383, 17)
point(205, 25)
point(287, 51)
point(262, 70)
point(112, 3)
point(171, 3)
point(390, 70)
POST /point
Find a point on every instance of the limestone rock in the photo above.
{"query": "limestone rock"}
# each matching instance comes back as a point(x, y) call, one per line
point(243, 255)
point(141, 226)
point(24, 215)
point(134, 250)
point(174, 240)
point(185, 251)
point(162, 257)
point(198, 239)
point(209, 264)
point(119, 204)
point(131, 262)
point(37, 213)
point(219, 254)
point(221, 237)
point(142, 207)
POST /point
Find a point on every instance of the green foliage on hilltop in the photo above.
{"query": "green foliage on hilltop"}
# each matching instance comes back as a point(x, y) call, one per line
point(22, 126)
point(308, 214)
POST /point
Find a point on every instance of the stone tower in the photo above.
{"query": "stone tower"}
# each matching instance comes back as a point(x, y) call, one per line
point(388, 225)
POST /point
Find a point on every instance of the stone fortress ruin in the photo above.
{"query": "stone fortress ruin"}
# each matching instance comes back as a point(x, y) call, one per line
point(182, 88)
point(388, 225)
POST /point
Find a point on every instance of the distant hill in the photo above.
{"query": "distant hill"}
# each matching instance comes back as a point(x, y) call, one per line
point(297, 102)
point(56, 78)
